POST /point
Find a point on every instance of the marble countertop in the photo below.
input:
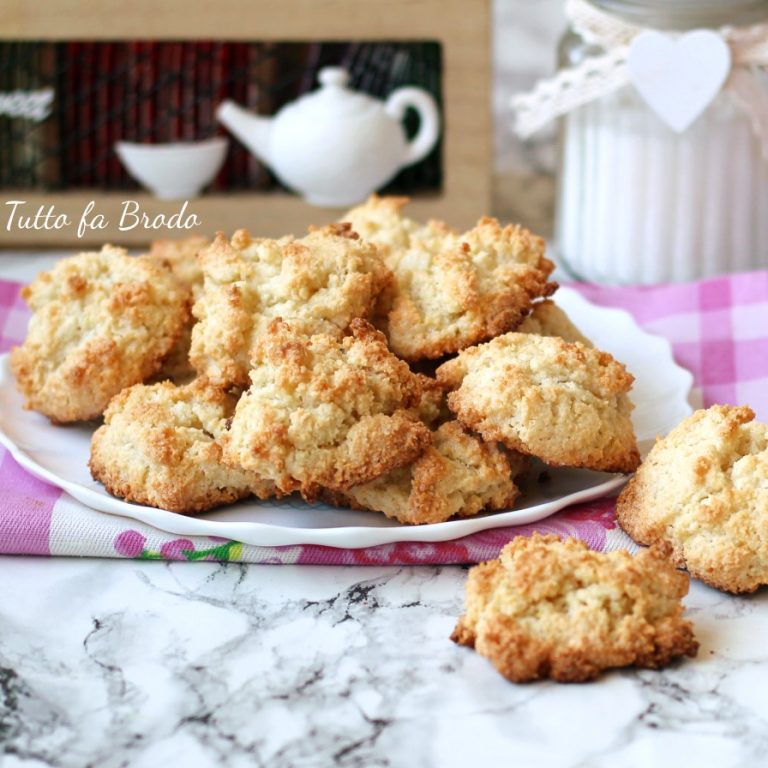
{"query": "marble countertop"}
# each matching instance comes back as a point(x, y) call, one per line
point(114, 663)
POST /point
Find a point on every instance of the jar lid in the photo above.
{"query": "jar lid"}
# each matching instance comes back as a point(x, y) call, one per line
point(687, 14)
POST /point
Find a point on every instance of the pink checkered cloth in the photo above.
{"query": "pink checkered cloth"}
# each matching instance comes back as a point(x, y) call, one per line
point(718, 329)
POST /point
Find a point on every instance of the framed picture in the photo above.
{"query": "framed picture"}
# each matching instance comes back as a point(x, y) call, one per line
point(74, 81)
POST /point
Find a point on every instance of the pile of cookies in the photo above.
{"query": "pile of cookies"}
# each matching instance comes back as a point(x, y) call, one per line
point(375, 363)
point(381, 364)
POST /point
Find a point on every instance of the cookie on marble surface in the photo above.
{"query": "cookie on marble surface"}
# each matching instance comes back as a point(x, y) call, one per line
point(551, 608)
point(547, 319)
point(326, 412)
point(566, 404)
point(451, 289)
point(319, 284)
point(458, 474)
point(101, 322)
point(159, 445)
point(704, 490)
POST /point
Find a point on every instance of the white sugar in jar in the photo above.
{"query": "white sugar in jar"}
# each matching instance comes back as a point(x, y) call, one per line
point(639, 203)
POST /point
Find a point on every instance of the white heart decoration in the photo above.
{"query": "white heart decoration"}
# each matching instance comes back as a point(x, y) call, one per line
point(678, 77)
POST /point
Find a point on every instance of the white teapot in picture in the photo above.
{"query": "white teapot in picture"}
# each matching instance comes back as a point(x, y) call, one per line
point(336, 146)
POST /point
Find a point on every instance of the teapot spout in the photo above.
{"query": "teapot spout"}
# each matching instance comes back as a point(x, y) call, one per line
point(252, 130)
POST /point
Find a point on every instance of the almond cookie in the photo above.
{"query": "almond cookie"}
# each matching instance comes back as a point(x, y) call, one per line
point(704, 490)
point(554, 609)
point(327, 412)
point(180, 256)
point(159, 446)
point(547, 319)
point(565, 403)
point(319, 284)
point(457, 475)
point(432, 407)
point(102, 322)
point(176, 366)
point(451, 289)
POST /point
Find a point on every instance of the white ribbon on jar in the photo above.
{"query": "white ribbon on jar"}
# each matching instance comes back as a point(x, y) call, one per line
point(601, 74)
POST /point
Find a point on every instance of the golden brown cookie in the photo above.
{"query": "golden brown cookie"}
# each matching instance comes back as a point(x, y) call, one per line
point(176, 366)
point(379, 220)
point(451, 289)
point(319, 284)
point(547, 319)
point(565, 403)
point(102, 321)
point(327, 412)
point(704, 490)
point(554, 609)
point(457, 475)
point(180, 256)
point(432, 407)
point(159, 446)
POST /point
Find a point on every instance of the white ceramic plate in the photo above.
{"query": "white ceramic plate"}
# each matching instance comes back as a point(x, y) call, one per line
point(59, 455)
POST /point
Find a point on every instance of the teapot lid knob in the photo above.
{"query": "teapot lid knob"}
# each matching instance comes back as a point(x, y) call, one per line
point(333, 76)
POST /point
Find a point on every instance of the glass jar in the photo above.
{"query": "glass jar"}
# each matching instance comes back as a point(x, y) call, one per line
point(639, 203)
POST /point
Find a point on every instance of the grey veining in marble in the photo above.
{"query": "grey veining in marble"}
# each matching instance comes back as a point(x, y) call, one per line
point(147, 664)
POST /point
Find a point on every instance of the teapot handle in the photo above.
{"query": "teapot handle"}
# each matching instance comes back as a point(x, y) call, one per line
point(429, 121)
